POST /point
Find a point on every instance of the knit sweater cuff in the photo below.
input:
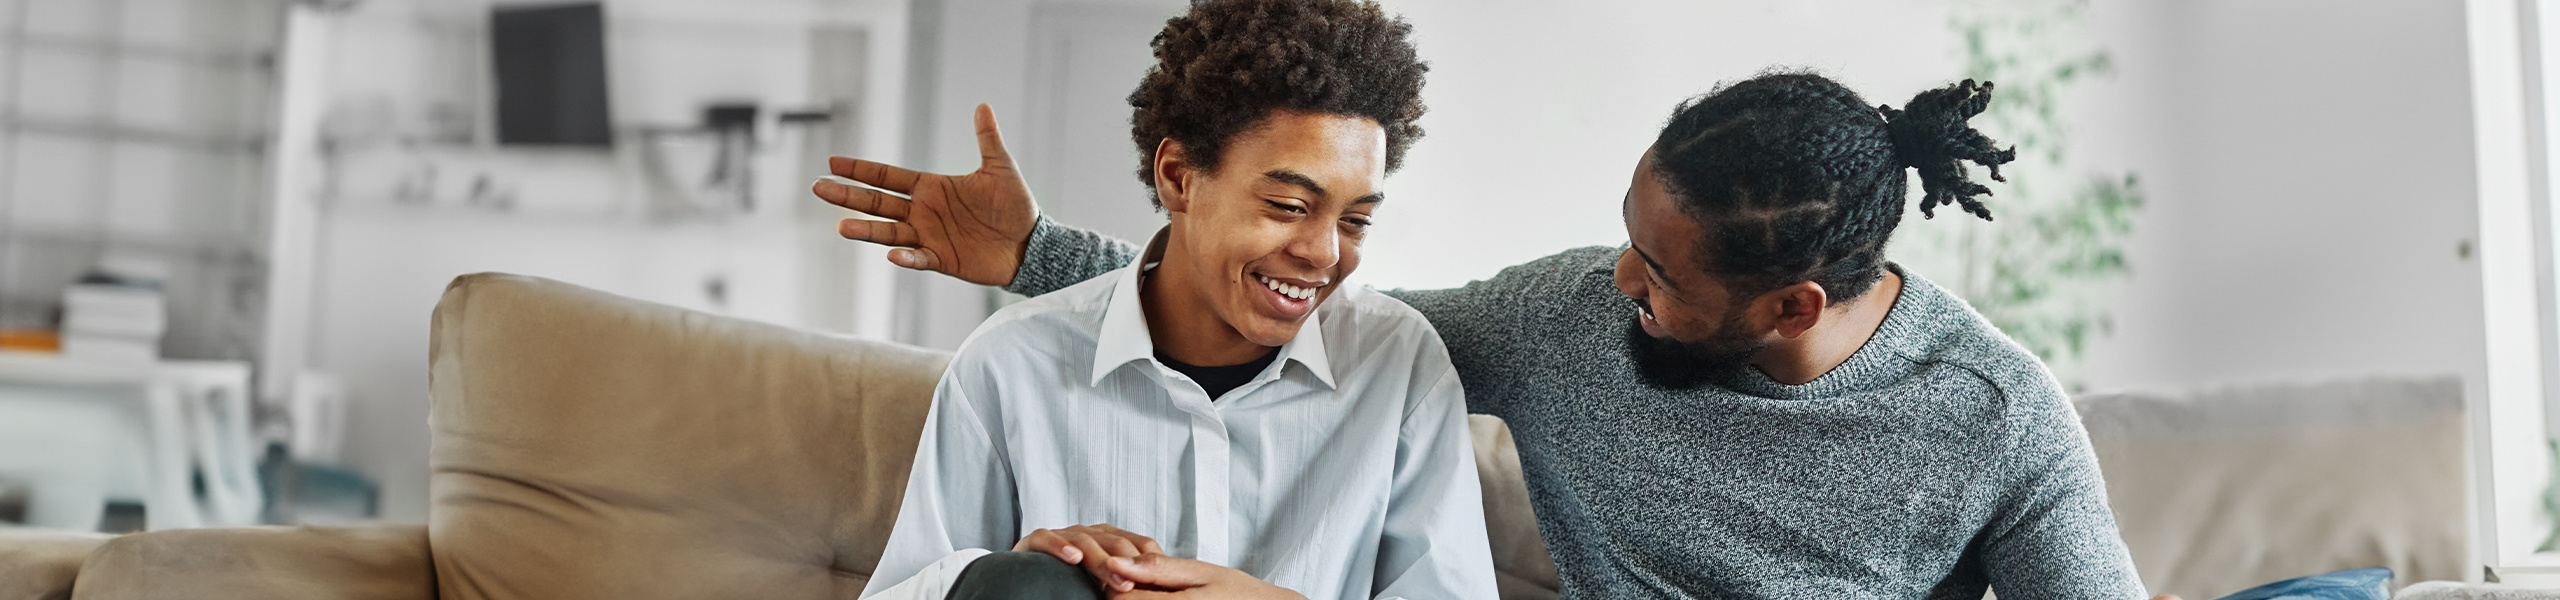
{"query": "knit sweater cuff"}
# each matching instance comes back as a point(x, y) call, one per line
point(1059, 255)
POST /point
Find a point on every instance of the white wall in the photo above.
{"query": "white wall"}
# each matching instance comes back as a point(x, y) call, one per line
point(1538, 111)
point(2310, 174)
point(2313, 195)
point(406, 95)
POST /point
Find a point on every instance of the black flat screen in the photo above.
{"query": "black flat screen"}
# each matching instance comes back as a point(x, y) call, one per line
point(550, 66)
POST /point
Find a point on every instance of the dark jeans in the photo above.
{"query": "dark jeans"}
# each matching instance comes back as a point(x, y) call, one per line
point(1024, 576)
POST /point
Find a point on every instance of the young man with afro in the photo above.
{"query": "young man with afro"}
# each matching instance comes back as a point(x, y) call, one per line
point(1219, 415)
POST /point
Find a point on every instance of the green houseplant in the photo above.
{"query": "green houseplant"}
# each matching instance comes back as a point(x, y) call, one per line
point(2040, 272)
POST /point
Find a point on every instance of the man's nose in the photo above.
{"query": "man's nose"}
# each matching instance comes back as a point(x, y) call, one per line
point(1321, 247)
point(1629, 275)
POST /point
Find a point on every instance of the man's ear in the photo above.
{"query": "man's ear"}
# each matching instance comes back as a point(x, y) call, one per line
point(1173, 177)
point(1797, 307)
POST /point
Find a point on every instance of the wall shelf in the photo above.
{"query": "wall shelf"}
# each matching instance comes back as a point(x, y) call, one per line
point(105, 130)
point(208, 98)
point(208, 247)
point(254, 60)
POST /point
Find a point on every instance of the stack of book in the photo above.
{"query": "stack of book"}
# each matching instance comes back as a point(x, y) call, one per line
point(110, 322)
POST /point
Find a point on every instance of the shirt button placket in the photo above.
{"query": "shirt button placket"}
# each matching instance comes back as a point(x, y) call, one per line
point(1209, 439)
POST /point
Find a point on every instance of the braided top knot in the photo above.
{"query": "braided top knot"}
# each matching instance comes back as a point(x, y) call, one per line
point(1793, 177)
point(1931, 135)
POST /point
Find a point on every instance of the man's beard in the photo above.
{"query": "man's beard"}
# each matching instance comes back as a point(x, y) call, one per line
point(1671, 363)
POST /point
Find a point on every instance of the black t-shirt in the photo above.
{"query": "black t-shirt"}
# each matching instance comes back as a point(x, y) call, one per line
point(1217, 381)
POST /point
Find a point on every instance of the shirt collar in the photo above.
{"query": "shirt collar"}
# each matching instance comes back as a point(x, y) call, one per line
point(1124, 337)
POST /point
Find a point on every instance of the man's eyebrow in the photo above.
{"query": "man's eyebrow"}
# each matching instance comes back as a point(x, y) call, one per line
point(1370, 199)
point(1295, 178)
point(1657, 267)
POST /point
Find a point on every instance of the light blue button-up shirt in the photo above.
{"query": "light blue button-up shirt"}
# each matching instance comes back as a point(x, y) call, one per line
point(1343, 470)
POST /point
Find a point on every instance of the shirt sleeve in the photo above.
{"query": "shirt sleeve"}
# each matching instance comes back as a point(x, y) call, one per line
point(1061, 255)
point(958, 503)
point(2052, 534)
point(1434, 545)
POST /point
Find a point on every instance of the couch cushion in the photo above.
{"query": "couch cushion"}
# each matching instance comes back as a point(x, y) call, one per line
point(39, 564)
point(2224, 488)
point(381, 562)
point(592, 446)
point(1522, 569)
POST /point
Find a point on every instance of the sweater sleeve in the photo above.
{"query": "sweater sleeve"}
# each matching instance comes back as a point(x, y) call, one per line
point(2051, 534)
point(1061, 255)
point(1485, 322)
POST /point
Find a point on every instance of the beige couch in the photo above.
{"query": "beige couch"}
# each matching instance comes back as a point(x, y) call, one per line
point(592, 446)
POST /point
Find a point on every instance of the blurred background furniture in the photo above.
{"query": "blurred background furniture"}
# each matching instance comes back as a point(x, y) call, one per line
point(172, 436)
point(590, 445)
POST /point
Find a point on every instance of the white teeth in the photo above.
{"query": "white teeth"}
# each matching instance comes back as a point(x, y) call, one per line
point(1291, 291)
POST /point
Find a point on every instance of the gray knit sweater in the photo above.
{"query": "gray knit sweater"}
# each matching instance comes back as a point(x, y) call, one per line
point(1940, 459)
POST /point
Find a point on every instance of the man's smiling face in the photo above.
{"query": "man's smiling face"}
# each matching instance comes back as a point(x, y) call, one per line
point(1274, 230)
point(1688, 318)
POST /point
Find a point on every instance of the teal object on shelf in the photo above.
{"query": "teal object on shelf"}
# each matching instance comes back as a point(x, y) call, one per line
point(2359, 584)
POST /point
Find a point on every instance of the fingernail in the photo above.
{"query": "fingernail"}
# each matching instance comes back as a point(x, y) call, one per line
point(901, 257)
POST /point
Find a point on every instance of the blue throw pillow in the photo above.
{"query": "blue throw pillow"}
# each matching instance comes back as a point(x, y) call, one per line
point(2359, 584)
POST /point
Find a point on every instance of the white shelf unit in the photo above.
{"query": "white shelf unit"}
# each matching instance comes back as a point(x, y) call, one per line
point(134, 130)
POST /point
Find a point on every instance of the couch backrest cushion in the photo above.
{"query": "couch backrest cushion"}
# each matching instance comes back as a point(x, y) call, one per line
point(2220, 489)
point(587, 445)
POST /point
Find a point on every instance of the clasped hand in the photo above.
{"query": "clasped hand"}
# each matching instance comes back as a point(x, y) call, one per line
point(1133, 566)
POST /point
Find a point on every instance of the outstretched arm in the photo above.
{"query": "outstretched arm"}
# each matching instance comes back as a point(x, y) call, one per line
point(982, 227)
point(1490, 327)
point(1060, 255)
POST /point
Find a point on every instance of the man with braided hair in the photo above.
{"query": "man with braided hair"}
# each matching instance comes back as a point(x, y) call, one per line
point(1283, 435)
point(1746, 400)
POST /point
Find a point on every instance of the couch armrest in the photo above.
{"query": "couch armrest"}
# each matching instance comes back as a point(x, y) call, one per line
point(368, 562)
point(39, 565)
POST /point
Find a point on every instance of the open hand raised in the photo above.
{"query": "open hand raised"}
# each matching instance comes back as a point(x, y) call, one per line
point(973, 227)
